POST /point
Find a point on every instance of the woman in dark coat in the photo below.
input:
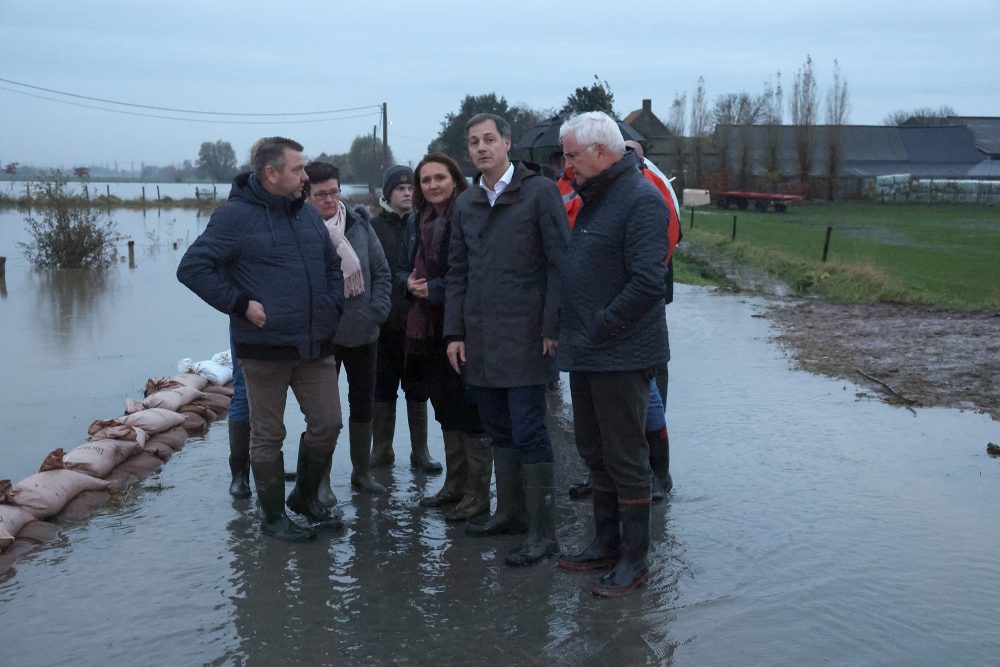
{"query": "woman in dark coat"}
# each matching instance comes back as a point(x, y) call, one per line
point(423, 263)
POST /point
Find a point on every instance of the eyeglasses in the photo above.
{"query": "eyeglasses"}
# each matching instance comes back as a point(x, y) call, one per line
point(329, 194)
point(576, 154)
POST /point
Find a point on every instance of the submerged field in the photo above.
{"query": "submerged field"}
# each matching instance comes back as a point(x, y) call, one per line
point(932, 255)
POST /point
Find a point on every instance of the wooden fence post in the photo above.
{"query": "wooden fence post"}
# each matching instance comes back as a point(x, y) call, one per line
point(131, 254)
point(692, 218)
point(734, 228)
point(826, 244)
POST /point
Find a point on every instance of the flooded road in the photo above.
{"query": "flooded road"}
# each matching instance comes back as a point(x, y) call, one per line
point(807, 525)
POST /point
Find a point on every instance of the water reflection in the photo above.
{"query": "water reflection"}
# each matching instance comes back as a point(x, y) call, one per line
point(71, 302)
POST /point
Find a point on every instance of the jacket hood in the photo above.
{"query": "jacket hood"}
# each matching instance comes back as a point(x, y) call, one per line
point(248, 188)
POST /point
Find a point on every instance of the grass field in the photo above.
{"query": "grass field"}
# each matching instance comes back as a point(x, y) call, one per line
point(936, 255)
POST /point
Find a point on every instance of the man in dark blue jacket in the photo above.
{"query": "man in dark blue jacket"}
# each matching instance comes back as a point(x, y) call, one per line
point(612, 338)
point(267, 261)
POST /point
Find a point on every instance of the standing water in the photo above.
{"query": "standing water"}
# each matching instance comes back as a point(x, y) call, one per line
point(807, 525)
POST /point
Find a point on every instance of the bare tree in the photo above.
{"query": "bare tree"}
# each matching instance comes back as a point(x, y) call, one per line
point(676, 123)
point(772, 116)
point(699, 130)
point(838, 107)
point(803, 112)
point(724, 115)
point(749, 110)
point(920, 116)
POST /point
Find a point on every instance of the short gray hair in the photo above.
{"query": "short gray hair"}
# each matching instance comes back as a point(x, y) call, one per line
point(503, 127)
point(595, 127)
point(270, 152)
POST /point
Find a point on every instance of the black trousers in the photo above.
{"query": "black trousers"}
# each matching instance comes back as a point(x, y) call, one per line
point(429, 374)
point(390, 368)
point(359, 364)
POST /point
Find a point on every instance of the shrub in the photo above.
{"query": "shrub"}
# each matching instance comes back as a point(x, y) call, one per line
point(67, 233)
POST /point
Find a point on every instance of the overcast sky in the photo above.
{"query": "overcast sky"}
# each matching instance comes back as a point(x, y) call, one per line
point(423, 58)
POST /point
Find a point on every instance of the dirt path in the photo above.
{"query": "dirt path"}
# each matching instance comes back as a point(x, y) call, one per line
point(908, 355)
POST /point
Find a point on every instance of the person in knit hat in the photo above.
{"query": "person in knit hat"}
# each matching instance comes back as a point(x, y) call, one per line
point(395, 206)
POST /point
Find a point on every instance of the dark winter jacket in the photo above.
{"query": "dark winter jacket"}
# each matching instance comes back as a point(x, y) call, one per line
point(390, 228)
point(262, 247)
point(504, 279)
point(612, 299)
point(359, 323)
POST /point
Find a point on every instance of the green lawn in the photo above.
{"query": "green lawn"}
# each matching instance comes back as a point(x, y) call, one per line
point(942, 255)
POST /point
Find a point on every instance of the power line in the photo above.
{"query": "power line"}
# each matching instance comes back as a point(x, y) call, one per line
point(375, 112)
point(190, 111)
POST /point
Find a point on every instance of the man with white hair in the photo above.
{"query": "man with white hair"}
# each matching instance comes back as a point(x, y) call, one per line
point(612, 339)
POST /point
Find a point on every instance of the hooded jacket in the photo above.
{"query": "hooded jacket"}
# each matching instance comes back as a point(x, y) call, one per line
point(503, 281)
point(275, 250)
point(612, 303)
point(390, 228)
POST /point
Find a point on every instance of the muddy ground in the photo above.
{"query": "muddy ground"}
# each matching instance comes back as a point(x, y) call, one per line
point(905, 354)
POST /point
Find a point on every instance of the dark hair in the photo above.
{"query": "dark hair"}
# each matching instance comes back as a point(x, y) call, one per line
point(453, 168)
point(270, 152)
point(318, 172)
point(503, 127)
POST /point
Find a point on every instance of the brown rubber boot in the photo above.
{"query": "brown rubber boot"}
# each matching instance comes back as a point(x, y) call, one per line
point(476, 502)
point(456, 471)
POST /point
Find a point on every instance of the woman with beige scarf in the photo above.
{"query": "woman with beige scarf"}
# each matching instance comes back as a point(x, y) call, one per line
point(367, 285)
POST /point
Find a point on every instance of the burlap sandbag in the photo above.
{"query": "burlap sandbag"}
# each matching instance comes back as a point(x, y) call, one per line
point(174, 438)
point(99, 457)
point(39, 532)
point(172, 399)
point(193, 380)
point(12, 520)
point(225, 390)
point(158, 449)
point(217, 403)
point(139, 466)
point(153, 420)
point(110, 429)
point(45, 493)
point(192, 421)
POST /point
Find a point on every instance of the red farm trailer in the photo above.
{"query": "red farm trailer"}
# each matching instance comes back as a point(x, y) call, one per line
point(761, 200)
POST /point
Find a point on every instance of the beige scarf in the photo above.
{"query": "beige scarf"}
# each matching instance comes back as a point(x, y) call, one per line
point(354, 279)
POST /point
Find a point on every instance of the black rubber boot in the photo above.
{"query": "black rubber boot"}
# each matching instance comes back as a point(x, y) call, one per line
point(631, 570)
point(383, 430)
point(416, 417)
point(479, 458)
point(605, 549)
point(360, 435)
point(540, 503)
point(510, 518)
point(239, 459)
point(269, 476)
point(325, 493)
point(455, 474)
point(304, 499)
point(581, 490)
point(659, 461)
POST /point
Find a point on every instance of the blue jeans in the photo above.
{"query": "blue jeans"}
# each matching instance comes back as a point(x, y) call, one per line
point(655, 419)
point(239, 409)
point(514, 417)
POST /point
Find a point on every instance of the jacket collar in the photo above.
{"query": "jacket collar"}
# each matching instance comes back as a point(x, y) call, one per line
point(598, 184)
point(254, 191)
point(522, 170)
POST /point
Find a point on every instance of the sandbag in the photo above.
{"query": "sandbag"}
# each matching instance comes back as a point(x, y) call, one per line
point(12, 520)
point(193, 380)
point(172, 399)
point(174, 438)
point(99, 457)
point(39, 532)
point(111, 429)
point(225, 358)
point(54, 461)
point(214, 371)
point(192, 421)
point(158, 449)
point(225, 390)
point(217, 403)
point(153, 420)
point(45, 493)
point(139, 466)
point(82, 507)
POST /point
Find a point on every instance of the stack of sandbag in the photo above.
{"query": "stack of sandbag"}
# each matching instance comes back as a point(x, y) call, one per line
point(120, 452)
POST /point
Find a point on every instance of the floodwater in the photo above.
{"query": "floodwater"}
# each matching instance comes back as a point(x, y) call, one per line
point(808, 525)
point(136, 190)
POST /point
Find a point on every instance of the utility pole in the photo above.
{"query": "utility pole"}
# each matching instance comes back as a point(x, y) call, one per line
point(385, 137)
